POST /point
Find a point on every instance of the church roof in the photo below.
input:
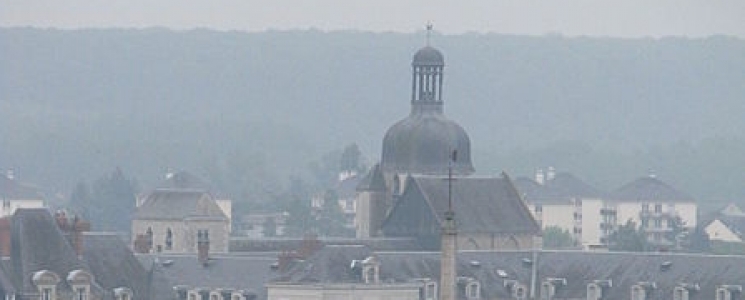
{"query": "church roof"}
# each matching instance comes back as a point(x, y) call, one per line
point(481, 204)
point(428, 55)
point(178, 204)
point(649, 189)
point(562, 188)
point(331, 264)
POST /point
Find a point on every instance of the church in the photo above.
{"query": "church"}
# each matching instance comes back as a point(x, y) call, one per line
point(426, 169)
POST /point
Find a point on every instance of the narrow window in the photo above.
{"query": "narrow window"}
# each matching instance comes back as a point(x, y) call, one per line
point(81, 292)
point(169, 239)
point(46, 294)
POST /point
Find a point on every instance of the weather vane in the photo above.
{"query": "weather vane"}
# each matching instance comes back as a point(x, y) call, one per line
point(429, 31)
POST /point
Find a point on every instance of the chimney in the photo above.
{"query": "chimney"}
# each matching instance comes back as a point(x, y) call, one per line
point(77, 228)
point(5, 237)
point(203, 246)
point(539, 178)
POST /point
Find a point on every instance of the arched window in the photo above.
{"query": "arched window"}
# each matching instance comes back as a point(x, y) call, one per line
point(547, 291)
point(169, 239)
point(46, 283)
point(723, 294)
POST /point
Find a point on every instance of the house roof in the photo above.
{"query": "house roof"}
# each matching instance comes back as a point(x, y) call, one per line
point(11, 189)
point(562, 188)
point(481, 204)
point(347, 188)
point(736, 224)
point(649, 189)
point(179, 204)
point(114, 266)
point(224, 271)
point(495, 270)
point(39, 244)
point(331, 264)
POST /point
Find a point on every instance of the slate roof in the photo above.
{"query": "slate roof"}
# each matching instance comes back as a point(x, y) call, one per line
point(178, 204)
point(114, 265)
point(481, 204)
point(11, 189)
point(492, 269)
point(332, 264)
point(347, 188)
point(561, 189)
point(39, 244)
point(224, 271)
point(649, 189)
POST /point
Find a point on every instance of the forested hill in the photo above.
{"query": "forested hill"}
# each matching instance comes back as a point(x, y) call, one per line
point(75, 104)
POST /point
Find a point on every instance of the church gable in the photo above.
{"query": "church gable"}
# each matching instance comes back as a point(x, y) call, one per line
point(412, 215)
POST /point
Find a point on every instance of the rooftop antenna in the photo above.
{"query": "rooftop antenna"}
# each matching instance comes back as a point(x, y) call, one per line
point(429, 32)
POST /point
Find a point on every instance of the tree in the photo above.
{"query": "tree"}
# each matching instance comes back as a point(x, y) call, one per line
point(330, 219)
point(628, 238)
point(351, 159)
point(109, 204)
point(556, 238)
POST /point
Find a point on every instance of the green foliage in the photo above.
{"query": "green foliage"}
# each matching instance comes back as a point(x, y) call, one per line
point(628, 238)
point(727, 248)
point(556, 238)
point(109, 204)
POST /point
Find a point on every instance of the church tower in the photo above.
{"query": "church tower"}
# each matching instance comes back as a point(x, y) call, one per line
point(449, 247)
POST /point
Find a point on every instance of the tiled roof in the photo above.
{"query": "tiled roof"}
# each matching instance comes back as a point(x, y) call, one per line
point(178, 204)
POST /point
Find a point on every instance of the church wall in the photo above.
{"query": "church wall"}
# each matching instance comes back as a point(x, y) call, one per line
point(184, 234)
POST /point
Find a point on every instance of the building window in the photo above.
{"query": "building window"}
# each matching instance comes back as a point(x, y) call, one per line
point(538, 208)
point(47, 293)
point(594, 292)
point(547, 291)
point(520, 293)
point(657, 223)
point(638, 293)
point(169, 239)
point(645, 207)
point(473, 291)
point(723, 294)
point(81, 293)
point(680, 293)
point(658, 208)
point(430, 291)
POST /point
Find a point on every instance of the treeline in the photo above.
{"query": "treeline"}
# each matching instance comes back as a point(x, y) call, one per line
point(76, 104)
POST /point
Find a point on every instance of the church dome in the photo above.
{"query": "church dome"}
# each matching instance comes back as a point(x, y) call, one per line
point(428, 56)
point(422, 143)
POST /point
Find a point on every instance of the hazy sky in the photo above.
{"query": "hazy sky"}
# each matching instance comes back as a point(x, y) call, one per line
point(629, 18)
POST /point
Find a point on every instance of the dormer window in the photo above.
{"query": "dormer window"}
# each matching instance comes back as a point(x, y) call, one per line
point(371, 270)
point(727, 292)
point(680, 293)
point(548, 287)
point(596, 289)
point(520, 292)
point(46, 283)
point(122, 293)
point(638, 293)
point(473, 290)
point(430, 290)
point(80, 281)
